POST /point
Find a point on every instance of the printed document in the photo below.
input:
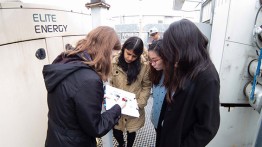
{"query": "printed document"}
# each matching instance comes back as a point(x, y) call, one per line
point(112, 94)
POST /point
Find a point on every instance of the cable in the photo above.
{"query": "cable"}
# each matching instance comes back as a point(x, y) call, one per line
point(255, 77)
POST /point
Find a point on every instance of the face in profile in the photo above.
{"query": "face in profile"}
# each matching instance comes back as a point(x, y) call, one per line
point(154, 36)
point(155, 60)
point(130, 56)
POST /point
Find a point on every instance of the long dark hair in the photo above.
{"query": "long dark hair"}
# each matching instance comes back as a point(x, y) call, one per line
point(132, 69)
point(157, 47)
point(185, 55)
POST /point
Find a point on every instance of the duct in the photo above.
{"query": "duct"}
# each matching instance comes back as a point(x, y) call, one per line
point(252, 67)
point(257, 102)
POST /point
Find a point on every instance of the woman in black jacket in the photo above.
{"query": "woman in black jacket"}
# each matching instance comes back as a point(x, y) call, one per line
point(192, 115)
point(74, 82)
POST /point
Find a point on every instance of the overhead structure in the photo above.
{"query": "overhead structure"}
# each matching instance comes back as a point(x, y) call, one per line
point(99, 12)
point(178, 4)
point(97, 3)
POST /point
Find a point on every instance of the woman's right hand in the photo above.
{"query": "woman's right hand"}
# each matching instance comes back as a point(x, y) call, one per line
point(121, 102)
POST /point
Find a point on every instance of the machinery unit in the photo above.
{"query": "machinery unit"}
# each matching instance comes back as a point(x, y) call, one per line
point(235, 50)
point(31, 36)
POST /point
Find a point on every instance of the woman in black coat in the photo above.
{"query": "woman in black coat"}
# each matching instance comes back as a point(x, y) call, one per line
point(74, 82)
point(191, 117)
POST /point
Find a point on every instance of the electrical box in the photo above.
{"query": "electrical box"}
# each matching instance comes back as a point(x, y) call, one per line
point(30, 37)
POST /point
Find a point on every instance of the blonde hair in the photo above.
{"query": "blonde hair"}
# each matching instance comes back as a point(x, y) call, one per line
point(99, 44)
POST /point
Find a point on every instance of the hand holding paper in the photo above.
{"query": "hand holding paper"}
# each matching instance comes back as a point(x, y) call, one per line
point(121, 103)
point(126, 100)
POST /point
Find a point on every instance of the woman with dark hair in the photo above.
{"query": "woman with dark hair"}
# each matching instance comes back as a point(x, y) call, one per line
point(192, 116)
point(74, 82)
point(130, 73)
point(158, 90)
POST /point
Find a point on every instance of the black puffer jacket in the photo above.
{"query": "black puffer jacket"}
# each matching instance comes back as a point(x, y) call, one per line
point(75, 95)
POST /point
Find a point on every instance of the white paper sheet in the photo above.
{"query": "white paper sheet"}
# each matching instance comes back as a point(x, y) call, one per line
point(112, 94)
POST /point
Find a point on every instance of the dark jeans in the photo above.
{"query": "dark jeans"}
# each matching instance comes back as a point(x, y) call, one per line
point(120, 138)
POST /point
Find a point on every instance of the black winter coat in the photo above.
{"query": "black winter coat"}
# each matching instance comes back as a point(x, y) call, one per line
point(75, 96)
point(193, 118)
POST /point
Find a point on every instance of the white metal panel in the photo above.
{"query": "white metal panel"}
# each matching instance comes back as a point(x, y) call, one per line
point(54, 46)
point(11, 5)
point(221, 2)
point(218, 34)
point(234, 72)
point(9, 0)
point(205, 29)
point(237, 128)
point(231, 47)
point(25, 24)
point(241, 21)
point(206, 14)
point(23, 107)
point(72, 40)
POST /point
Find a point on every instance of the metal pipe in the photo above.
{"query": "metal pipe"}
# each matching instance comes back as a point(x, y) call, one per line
point(257, 102)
